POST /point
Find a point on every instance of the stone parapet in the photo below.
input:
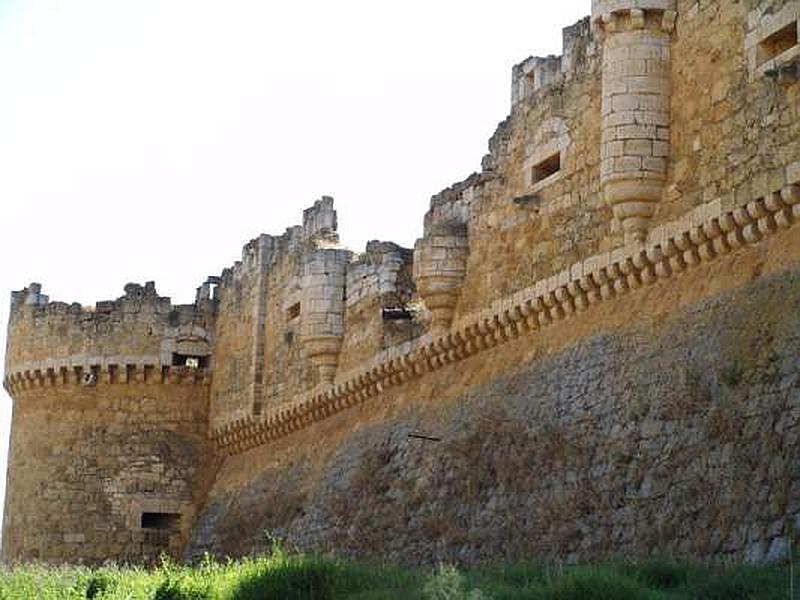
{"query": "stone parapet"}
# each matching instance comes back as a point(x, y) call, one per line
point(139, 323)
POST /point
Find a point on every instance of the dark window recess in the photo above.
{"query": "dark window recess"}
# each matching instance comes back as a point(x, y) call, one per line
point(397, 313)
point(161, 521)
point(549, 166)
point(778, 43)
point(193, 362)
point(293, 311)
point(531, 201)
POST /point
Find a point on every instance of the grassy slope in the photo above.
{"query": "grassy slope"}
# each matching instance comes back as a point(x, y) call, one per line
point(300, 577)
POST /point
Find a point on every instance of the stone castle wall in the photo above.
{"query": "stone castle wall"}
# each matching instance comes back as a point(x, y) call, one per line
point(675, 433)
point(594, 337)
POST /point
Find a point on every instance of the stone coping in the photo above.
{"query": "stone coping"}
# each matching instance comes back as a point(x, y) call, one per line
point(705, 233)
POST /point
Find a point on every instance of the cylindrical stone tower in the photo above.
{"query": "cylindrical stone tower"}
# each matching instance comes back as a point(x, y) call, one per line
point(637, 86)
point(109, 456)
point(322, 309)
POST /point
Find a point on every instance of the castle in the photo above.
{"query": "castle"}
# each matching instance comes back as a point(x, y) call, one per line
point(593, 349)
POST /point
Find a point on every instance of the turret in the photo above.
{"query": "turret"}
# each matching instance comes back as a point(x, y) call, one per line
point(440, 265)
point(635, 150)
point(322, 328)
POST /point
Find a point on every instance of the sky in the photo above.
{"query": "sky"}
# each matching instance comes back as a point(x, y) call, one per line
point(151, 139)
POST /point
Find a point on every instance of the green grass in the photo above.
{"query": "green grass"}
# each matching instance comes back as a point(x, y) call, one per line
point(300, 577)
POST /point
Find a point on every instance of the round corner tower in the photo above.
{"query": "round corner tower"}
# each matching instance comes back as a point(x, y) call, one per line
point(109, 455)
point(637, 87)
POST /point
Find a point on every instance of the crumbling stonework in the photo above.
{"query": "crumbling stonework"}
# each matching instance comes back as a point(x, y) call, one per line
point(591, 350)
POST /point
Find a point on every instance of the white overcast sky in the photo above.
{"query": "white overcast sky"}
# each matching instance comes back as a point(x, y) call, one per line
point(151, 139)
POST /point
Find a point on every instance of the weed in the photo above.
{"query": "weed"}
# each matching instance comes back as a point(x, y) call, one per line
point(448, 584)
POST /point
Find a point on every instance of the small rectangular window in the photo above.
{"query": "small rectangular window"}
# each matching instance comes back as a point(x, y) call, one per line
point(293, 311)
point(549, 166)
point(779, 42)
point(159, 520)
point(193, 362)
point(395, 313)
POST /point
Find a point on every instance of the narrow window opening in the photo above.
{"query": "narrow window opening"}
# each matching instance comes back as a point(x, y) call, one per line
point(549, 166)
point(395, 313)
point(293, 311)
point(159, 520)
point(779, 42)
point(185, 360)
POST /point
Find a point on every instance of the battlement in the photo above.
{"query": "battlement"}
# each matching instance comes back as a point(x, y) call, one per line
point(136, 299)
point(139, 327)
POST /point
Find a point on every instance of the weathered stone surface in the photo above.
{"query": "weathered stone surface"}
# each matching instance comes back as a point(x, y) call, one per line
point(672, 436)
point(600, 326)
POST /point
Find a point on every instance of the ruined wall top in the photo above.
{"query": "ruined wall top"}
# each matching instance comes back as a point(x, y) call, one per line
point(139, 327)
point(540, 74)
